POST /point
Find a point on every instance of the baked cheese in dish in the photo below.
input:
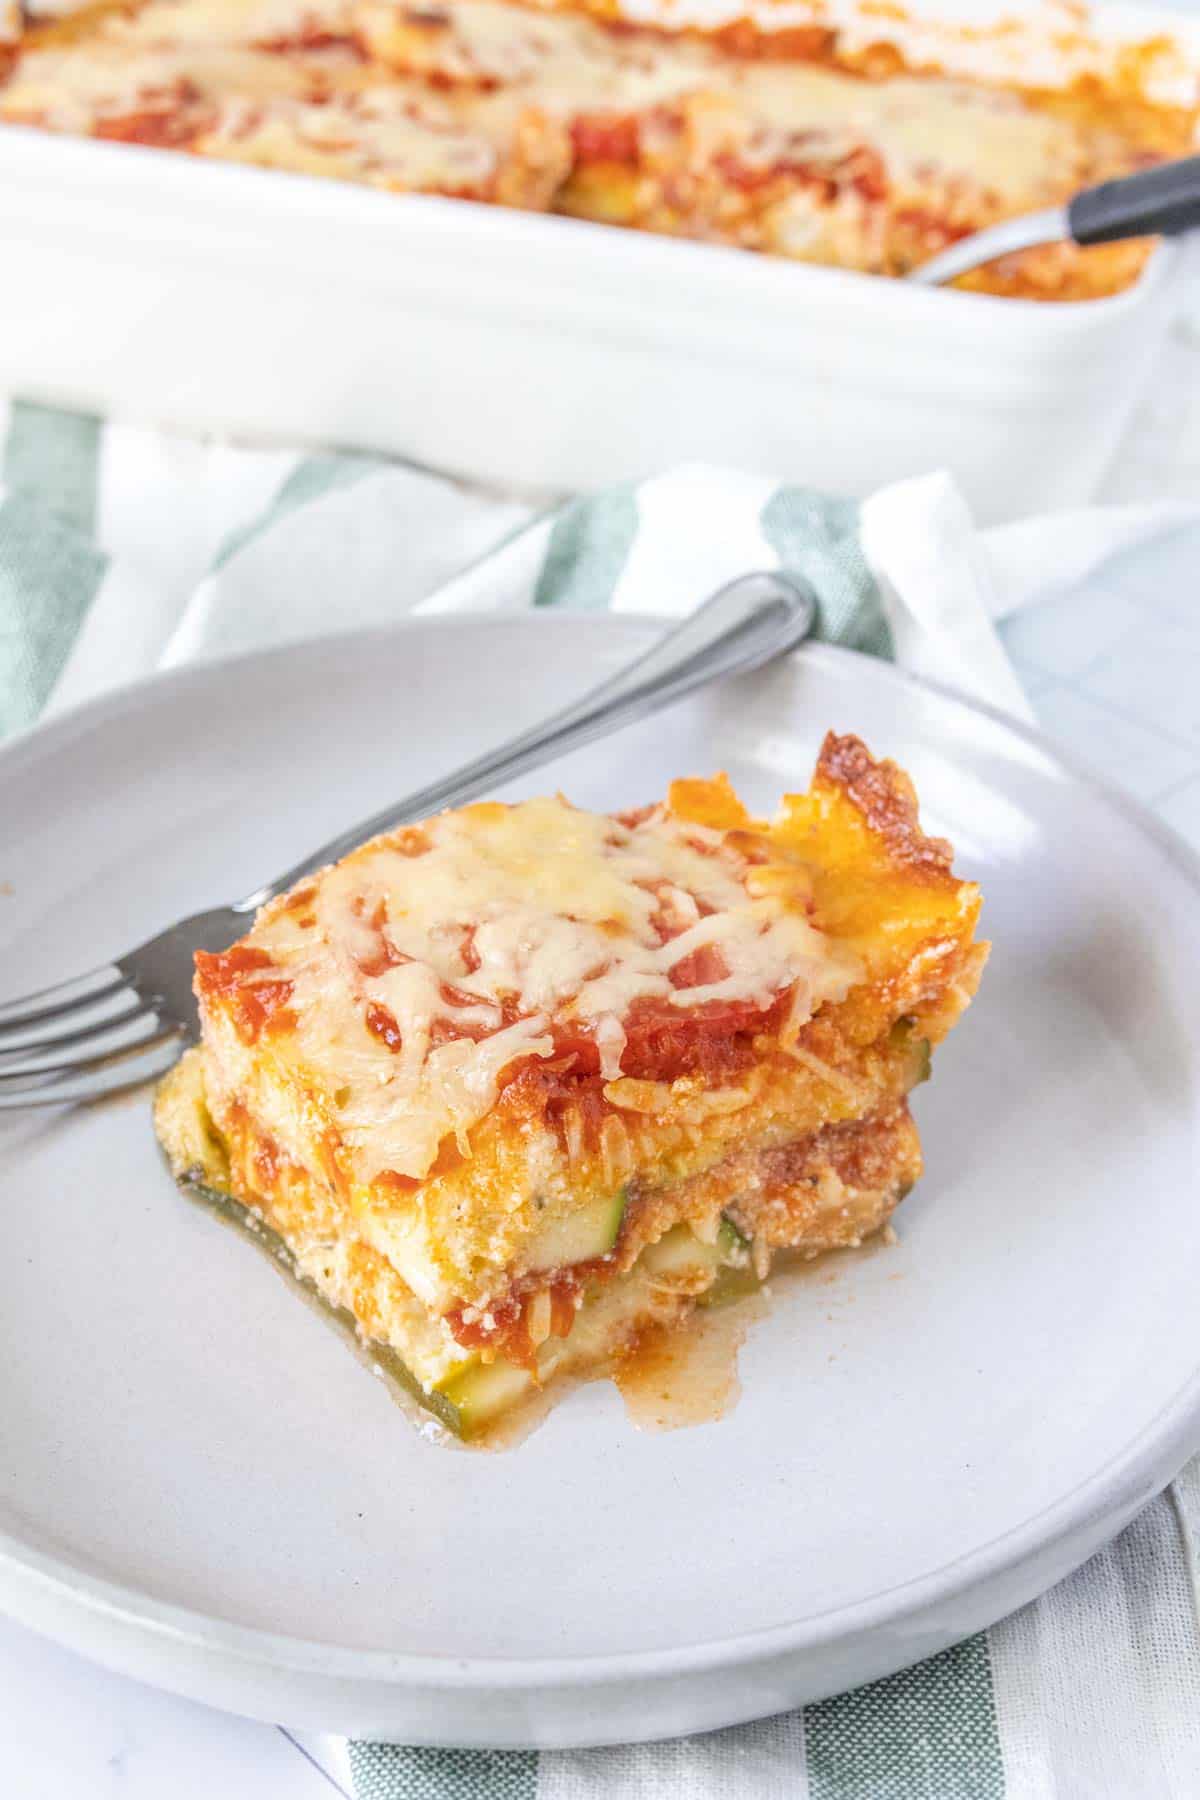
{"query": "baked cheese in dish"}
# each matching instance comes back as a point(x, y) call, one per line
point(519, 1083)
point(774, 142)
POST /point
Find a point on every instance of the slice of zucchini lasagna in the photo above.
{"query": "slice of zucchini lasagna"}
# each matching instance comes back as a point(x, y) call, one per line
point(519, 1083)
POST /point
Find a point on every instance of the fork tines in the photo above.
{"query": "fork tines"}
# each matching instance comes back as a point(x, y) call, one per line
point(81, 1038)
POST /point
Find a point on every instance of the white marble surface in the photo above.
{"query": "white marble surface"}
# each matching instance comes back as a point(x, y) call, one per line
point(1114, 673)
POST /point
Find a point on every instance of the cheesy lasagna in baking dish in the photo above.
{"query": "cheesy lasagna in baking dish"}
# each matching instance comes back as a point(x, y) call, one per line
point(771, 141)
point(520, 1084)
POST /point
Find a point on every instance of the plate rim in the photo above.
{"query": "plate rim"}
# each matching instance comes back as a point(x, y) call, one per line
point(1128, 1478)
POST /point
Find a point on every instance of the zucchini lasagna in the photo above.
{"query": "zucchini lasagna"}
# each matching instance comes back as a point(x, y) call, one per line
point(781, 142)
point(522, 1083)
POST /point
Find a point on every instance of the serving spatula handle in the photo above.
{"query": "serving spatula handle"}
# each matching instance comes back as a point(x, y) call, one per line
point(1159, 202)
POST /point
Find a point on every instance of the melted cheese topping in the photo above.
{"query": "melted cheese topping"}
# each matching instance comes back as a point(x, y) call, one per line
point(920, 128)
point(419, 979)
point(786, 108)
point(446, 91)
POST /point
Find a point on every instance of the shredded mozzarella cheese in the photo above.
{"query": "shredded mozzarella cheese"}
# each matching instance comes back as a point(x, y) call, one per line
point(507, 923)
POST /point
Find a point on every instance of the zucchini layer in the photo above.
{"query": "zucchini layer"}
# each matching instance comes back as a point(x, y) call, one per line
point(669, 1277)
point(708, 1262)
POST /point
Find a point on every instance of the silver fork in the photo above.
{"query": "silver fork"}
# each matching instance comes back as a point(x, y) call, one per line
point(128, 1020)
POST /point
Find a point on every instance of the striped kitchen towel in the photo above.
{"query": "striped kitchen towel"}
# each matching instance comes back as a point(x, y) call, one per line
point(124, 550)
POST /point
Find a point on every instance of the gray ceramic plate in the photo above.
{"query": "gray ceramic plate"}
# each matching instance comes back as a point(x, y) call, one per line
point(199, 1485)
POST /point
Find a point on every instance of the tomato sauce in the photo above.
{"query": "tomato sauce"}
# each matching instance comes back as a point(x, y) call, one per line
point(381, 1023)
point(256, 1006)
point(504, 1324)
point(606, 137)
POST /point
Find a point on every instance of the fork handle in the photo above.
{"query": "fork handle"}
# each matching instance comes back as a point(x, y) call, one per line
point(1158, 202)
point(737, 629)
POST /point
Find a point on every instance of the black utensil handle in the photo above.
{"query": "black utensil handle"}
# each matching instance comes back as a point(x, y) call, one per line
point(1155, 202)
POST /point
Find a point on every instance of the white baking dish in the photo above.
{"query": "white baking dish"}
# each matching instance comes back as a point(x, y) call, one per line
point(525, 349)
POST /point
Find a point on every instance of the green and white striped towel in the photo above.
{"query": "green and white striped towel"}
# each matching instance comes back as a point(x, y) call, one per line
point(122, 550)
